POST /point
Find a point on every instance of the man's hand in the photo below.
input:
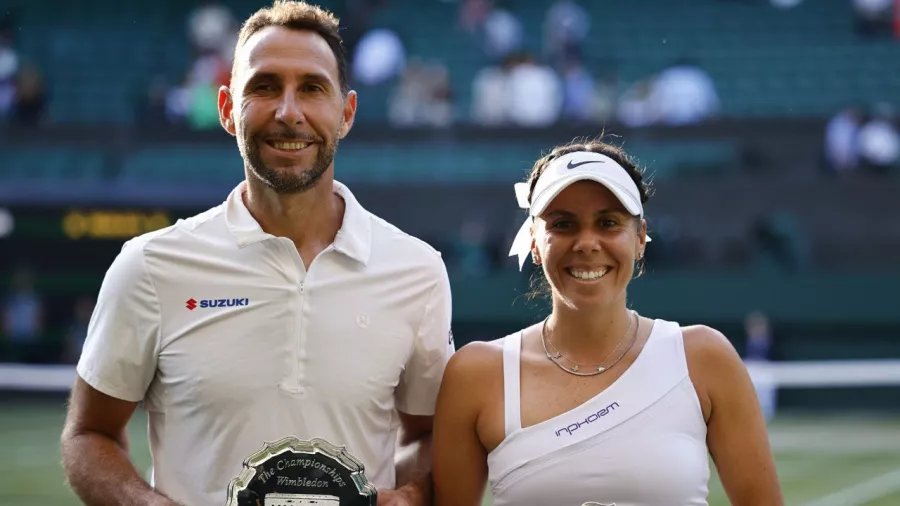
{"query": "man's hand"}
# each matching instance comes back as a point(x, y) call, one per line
point(401, 497)
point(413, 464)
point(94, 449)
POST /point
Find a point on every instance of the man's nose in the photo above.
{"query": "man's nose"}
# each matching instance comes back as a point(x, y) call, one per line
point(290, 110)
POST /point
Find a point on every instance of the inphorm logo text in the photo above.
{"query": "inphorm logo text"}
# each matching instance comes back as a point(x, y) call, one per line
point(593, 417)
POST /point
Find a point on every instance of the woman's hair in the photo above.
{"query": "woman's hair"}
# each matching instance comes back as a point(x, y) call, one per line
point(539, 285)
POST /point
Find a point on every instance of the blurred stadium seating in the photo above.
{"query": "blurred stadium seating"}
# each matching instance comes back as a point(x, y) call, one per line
point(766, 62)
point(751, 213)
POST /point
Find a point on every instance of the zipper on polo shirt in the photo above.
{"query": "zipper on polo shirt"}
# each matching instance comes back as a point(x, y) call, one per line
point(293, 383)
point(302, 351)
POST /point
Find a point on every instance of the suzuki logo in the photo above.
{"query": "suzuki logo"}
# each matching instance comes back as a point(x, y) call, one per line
point(210, 303)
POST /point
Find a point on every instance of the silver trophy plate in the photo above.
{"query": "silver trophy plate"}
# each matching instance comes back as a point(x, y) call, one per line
point(297, 472)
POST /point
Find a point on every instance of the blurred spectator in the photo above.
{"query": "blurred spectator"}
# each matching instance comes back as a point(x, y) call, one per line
point(636, 107)
point(606, 95)
point(355, 16)
point(759, 349)
point(578, 91)
point(500, 29)
point(472, 13)
point(30, 106)
point(213, 29)
point(23, 319)
point(873, 17)
point(195, 103)
point(879, 142)
point(897, 19)
point(684, 94)
point(841, 152)
point(759, 337)
point(177, 103)
point(490, 94)
point(423, 97)
point(520, 92)
point(503, 33)
point(380, 57)
point(535, 94)
point(9, 68)
point(77, 332)
point(203, 107)
point(785, 4)
point(566, 25)
point(212, 69)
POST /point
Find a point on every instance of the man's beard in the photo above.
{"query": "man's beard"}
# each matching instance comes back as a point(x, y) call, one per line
point(282, 181)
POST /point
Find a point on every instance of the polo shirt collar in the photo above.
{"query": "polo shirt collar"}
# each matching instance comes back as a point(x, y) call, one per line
point(354, 239)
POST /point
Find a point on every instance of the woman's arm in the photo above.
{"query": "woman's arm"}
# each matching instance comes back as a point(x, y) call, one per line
point(460, 460)
point(736, 429)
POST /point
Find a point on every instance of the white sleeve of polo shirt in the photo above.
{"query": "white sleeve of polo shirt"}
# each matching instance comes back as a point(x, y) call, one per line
point(120, 351)
point(418, 388)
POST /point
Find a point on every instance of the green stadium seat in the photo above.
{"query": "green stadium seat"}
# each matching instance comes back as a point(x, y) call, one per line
point(94, 53)
point(183, 165)
point(37, 164)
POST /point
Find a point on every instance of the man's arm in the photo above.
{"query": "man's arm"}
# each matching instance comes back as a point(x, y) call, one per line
point(95, 451)
point(116, 367)
point(417, 396)
point(414, 458)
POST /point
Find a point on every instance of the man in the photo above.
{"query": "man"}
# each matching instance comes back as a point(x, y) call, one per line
point(287, 310)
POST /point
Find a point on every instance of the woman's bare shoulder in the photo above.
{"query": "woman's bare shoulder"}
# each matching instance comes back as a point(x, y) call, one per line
point(475, 360)
point(714, 365)
point(706, 343)
point(472, 380)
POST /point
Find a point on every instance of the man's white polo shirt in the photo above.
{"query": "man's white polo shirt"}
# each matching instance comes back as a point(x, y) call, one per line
point(231, 342)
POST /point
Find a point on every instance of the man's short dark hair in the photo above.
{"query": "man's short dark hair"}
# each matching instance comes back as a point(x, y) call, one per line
point(300, 16)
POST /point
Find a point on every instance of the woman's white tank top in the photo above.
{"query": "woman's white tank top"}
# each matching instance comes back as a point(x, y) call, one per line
point(640, 442)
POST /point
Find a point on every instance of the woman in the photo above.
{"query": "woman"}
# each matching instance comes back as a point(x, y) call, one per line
point(596, 404)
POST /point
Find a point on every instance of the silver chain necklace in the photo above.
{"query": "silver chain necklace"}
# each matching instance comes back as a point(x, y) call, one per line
point(592, 370)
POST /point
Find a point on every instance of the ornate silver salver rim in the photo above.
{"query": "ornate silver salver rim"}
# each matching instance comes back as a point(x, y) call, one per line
point(311, 446)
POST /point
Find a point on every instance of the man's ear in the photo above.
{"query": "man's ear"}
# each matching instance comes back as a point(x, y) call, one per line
point(226, 110)
point(349, 114)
